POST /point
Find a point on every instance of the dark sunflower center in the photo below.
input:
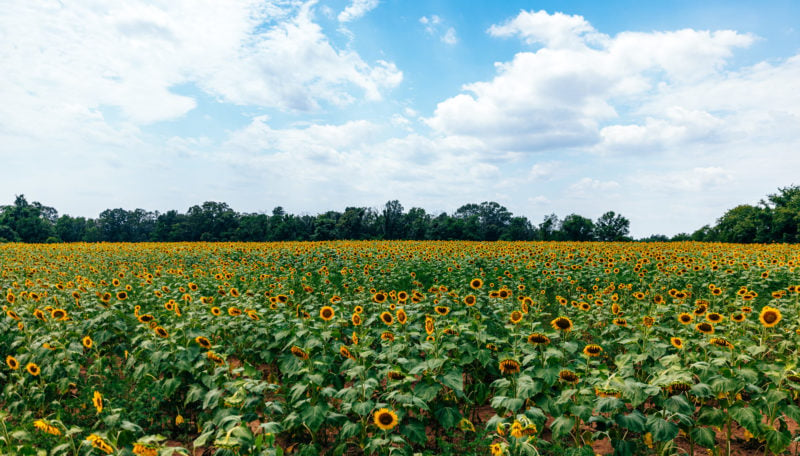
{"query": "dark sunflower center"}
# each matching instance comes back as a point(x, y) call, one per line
point(770, 317)
point(562, 323)
point(385, 419)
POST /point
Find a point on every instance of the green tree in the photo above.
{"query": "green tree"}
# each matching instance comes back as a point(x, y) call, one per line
point(31, 222)
point(577, 228)
point(611, 227)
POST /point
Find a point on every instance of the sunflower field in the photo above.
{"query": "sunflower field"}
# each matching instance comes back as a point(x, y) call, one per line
point(399, 348)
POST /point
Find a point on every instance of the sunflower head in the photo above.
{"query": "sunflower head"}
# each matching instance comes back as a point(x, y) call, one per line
point(97, 401)
point(402, 317)
point(87, 342)
point(676, 342)
point(685, 318)
point(476, 284)
point(12, 362)
point(592, 350)
point(442, 310)
point(203, 342)
point(538, 339)
point(769, 316)
point(562, 324)
point(705, 327)
point(516, 317)
point(326, 313)
point(470, 300)
point(567, 376)
point(298, 352)
point(387, 318)
point(509, 366)
point(385, 419)
point(33, 369)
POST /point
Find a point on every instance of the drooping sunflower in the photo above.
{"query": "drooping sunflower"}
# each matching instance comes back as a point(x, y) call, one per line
point(387, 318)
point(705, 327)
point(97, 401)
point(476, 284)
point(678, 387)
point(769, 316)
point(592, 350)
point(402, 317)
point(676, 342)
point(215, 357)
point(33, 369)
point(326, 313)
point(567, 376)
point(345, 352)
point(509, 366)
point(385, 419)
point(387, 335)
point(562, 324)
point(720, 342)
point(12, 362)
point(46, 427)
point(685, 318)
point(442, 310)
point(538, 339)
point(98, 442)
point(298, 352)
point(87, 342)
point(203, 342)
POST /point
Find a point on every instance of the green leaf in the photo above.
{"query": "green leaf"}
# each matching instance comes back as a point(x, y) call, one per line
point(711, 416)
point(662, 430)
point(427, 391)
point(777, 441)
point(562, 426)
point(608, 404)
point(414, 430)
point(447, 416)
point(747, 417)
point(703, 436)
point(633, 421)
point(314, 416)
point(701, 390)
point(363, 408)
point(679, 404)
point(454, 379)
point(349, 429)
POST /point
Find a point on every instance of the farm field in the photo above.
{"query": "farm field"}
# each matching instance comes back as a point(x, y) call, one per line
point(381, 347)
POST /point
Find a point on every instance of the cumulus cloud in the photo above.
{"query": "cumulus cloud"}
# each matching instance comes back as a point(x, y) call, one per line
point(86, 66)
point(357, 9)
point(570, 92)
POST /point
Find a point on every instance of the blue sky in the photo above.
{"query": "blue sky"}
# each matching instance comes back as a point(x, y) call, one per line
point(669, 113)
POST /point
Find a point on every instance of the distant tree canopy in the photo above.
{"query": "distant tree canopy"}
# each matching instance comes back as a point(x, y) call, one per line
point(776, 219)
point(214, 221)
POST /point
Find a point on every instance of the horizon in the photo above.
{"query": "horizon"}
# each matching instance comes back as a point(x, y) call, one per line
point(669, 115)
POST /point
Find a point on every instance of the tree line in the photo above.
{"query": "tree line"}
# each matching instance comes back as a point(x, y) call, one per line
point(776, 219)
point(215, 221)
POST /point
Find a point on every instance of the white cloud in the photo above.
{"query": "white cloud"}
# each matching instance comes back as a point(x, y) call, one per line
point(449, 36)
point(356, 9)
point(591, 187)
point(564, 94)
point(79, 68)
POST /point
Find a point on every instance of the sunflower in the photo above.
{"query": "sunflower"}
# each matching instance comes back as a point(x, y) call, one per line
point(402, 317)
point(356, 319)
point(12, 315)
point(769, 316)
point(145, 318)
point(509, 366)
point(161, 332)
point(98, 442)
point(234, 311)
point(705, 327)
point(678, 387)
point(87, 342)
point(567, 376)
point(97, 401)
point(387, 335)
point(358, 310)
point(216, 311)
point(142, 449)
point(12, 362)
point(620, 322)
point(387, 318)
point(203, 342)
point(33, 369)
point(58, 314)
point(326, 313)
point(476, 284)
point(714, 317)
point(379, 297)
point(429, 328)
point(46, 427)
point(615, 308)
point(720, 342)
point(538, 339)
point(298, 352)
point(700, 310)
point(738, 318)
point(676, 342)
point(39, 315)
point(685, 318)
point(234, 292)
point(121, 295)
point(592, 350)
point(497, 449)
point(215, 357)
point(385, 419)
point(562, 324)
point(345, 352)
point(395, 375)
point(648, 321)
point(516, 317)
point(469, 300)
